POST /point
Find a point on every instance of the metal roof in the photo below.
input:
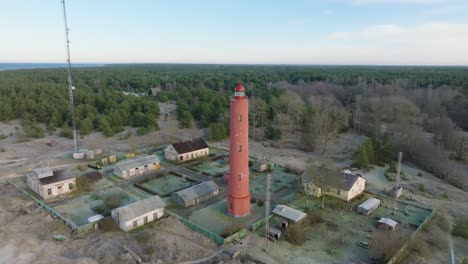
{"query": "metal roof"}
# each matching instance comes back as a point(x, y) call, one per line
point(138, 208)
point(137, 162)
point(388, 221)
point(370, 203)
point(43, 172)
point(198, 190)
point(289, 213)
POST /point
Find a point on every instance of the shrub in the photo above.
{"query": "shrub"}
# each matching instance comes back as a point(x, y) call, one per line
point(253, 200)
point(461, 228)
point(2, 149)
point(419, 174)
point(421, 187)
point(295, 235)
point(3, 136)
point(143, 236)
point(100, 209)
point(260, 203)
point(112, 200)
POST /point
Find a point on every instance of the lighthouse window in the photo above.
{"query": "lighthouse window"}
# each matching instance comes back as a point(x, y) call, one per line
point(240, 117)
point(239, 148)
point(240, 177)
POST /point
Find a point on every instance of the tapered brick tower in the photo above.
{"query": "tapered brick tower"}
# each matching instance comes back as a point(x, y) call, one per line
point(238, 202)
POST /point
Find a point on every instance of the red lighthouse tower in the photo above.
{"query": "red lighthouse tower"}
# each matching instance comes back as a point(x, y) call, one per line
point(238, 201)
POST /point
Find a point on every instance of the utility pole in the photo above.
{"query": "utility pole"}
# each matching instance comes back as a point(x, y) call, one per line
point(267, 210)
point(70, 82)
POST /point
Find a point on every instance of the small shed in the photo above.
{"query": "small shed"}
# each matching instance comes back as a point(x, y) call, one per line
point(387, 224)
point(261, 165)
point(196, 194)
point(289, 213)
point(367, 207)
point(274, 233)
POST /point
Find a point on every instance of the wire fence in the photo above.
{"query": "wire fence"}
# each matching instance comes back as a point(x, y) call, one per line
point(405, 246)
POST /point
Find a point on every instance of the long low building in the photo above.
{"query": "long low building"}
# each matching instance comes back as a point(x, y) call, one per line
point(187, 150)
point(137, 166)
point(139, 213)
point(196, 194)
point(48, 183)
point(367, 207)
point(289, 213)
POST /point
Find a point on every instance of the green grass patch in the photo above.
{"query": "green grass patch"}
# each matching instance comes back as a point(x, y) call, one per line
point(460, 229)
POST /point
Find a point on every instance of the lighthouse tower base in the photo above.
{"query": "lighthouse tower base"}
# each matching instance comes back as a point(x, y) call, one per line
point(238, 207)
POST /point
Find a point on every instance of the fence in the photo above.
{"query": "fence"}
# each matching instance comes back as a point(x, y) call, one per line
point(76, 229)
point(403, 248)
point(260, 223)
point(236, 236)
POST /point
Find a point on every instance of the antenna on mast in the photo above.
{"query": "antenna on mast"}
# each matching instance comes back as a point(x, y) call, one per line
point(397, 186)
point(70, 82)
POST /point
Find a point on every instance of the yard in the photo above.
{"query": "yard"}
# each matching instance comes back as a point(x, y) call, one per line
point(166, 184)
point(331, 233)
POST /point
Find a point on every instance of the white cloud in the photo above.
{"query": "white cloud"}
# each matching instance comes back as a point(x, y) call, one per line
point(437, 43)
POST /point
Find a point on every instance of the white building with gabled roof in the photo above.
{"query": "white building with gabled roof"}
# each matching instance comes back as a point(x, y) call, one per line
point(136, 166)
point(139, 213)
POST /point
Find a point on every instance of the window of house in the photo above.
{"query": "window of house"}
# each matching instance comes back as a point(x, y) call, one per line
point(70, 186)
point(155, 215)
point(239, 148)
point(49, 191)
point(135, 224)
point(338, 192)
point(181, 157)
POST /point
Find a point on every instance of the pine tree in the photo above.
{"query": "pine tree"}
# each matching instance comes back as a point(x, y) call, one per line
point(105, 128)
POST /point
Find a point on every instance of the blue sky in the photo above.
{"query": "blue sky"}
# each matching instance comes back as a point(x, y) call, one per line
point(383, 32)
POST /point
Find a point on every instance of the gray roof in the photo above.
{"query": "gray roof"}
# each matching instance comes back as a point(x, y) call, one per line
point(43, 172)
point(324, 177)
point(57, 176)
point(137, 162)
point(388, 221)
point(289, 213)
point(198, 190)
point(370, 204)
point(138, 208)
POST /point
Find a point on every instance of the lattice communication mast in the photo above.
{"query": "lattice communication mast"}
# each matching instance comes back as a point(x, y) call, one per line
point(70, 82)
point(267, 211)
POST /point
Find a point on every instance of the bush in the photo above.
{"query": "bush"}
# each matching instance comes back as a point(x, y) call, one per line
point(419, 174)
point(295, 234)
point(253, 200)
point(260, 203)
point(67, 132)
point(100, 209)
point(3, 136)
point(461, 229)
point(421, 187)
point(143, 236)
point(2, 149)
point(112, 200)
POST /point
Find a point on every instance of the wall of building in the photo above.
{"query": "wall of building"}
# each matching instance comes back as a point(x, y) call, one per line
point(135, 171)
point(140, 220)
point(177, 199)
point(171, 154)
point(356, 190)
point(51, 190)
